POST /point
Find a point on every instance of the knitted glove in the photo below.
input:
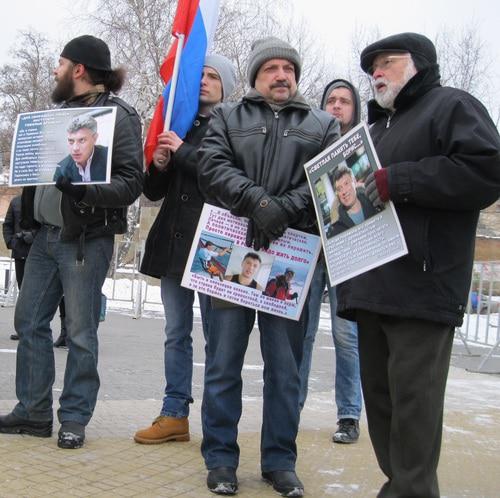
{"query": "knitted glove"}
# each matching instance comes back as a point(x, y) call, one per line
point(377, 187)
point(76, 191)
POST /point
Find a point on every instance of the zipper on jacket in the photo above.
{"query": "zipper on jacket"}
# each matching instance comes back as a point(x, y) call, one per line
point(425, 265)
point(105, 216)
point(274, 138)
point(301, 133)
point(388, 121)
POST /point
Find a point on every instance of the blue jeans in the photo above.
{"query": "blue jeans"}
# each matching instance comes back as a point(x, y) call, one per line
point(178, 306)
point(345, 338)
point(281, 343)
point(51, 272)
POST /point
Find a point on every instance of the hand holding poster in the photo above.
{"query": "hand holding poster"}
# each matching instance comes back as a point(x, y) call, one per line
point(356, 235)
point(221, 265)
point(73, 142)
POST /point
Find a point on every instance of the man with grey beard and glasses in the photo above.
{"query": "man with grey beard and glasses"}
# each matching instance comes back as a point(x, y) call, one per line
point(440, 153)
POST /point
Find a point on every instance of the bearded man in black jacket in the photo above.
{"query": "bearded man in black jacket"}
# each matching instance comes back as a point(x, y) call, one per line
point(70, 255)
point(440, 153)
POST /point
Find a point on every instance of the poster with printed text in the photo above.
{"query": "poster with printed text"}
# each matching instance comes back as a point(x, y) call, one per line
point(75, 143)
point(356, 235)
point(275, 281)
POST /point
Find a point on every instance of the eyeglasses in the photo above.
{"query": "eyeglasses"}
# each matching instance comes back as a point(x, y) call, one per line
point(385, 63)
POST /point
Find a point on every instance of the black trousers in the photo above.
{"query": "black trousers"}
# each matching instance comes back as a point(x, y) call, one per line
point(404, 368)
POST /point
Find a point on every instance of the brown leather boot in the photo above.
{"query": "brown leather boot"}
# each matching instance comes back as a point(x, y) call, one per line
point(164, 429)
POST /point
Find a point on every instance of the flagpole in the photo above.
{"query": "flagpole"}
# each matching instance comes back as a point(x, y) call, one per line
point(173, 81)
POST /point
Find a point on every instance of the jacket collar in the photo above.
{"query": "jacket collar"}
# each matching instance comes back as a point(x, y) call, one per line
point(419, 85)
point(297, 101)
point(86, 99)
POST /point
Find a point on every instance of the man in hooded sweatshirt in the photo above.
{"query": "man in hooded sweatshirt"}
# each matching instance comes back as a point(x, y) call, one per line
point(341, 100)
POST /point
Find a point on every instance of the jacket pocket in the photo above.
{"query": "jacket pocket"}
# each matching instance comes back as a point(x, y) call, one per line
point(307, 136)
point(415, 225)
point(246, 132)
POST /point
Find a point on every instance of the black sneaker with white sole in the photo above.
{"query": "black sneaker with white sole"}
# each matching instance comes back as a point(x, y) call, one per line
point(347, 432)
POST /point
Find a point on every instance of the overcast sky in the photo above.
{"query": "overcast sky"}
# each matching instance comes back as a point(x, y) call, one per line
point(334, 21)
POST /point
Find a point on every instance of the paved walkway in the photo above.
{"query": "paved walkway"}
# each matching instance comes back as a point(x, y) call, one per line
point(112, 465)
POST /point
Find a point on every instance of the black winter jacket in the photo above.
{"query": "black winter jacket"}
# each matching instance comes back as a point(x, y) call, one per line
point(103, 209)
point(169, 240)
point(251, 151)
point(16, 239)
point(442, 152)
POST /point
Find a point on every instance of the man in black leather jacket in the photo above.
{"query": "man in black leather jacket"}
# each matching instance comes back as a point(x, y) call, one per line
point(252, 161)
point(440, 153)
point(173, 175)
point(71, 254)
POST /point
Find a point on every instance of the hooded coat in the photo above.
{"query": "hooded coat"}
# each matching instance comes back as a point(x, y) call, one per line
point(340, 83)
point(442, 152)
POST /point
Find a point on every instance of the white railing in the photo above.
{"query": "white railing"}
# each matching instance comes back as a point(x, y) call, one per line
point(128, 290)
point(481, 324)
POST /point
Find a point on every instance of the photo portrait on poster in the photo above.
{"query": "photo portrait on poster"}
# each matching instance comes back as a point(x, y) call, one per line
point(275, 280)
point(75, 142)
point(356, 236)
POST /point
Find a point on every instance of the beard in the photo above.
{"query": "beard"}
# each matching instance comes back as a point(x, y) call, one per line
point(392, 89)
point(64, 90)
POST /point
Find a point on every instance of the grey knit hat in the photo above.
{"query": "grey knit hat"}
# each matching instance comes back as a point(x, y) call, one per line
point(226, 71)
point(271, 48)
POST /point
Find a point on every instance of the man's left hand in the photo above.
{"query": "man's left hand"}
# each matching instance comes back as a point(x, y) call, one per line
point(271, 218)
point(170, 140)
point(377, 188)
point(64, 184)
point(256, 238)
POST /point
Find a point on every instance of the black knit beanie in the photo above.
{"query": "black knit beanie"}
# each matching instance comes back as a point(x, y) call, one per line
point(90, 51)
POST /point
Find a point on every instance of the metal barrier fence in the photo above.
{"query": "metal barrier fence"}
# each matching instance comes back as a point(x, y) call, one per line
point(125, 286)
point(482, 318)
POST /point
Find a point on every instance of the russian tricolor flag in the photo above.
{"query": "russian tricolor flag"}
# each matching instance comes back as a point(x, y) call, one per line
point(197, 20)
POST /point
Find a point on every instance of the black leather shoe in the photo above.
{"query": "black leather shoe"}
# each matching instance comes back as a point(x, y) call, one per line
point(222, 481)
point(71, 436)
point(12, 424)
point(285, 482)
point(14, 337)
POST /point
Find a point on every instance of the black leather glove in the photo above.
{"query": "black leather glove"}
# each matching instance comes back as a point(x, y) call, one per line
point(28, 237)
point(271, 218)
point(64, 184)
point(256, 238)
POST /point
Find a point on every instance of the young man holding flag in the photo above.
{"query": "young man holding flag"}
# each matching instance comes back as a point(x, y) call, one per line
point(173, 175)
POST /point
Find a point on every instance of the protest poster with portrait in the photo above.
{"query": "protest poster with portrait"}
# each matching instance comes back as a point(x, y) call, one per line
point(221, 265)
point(356, 236)
point(73, 142)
